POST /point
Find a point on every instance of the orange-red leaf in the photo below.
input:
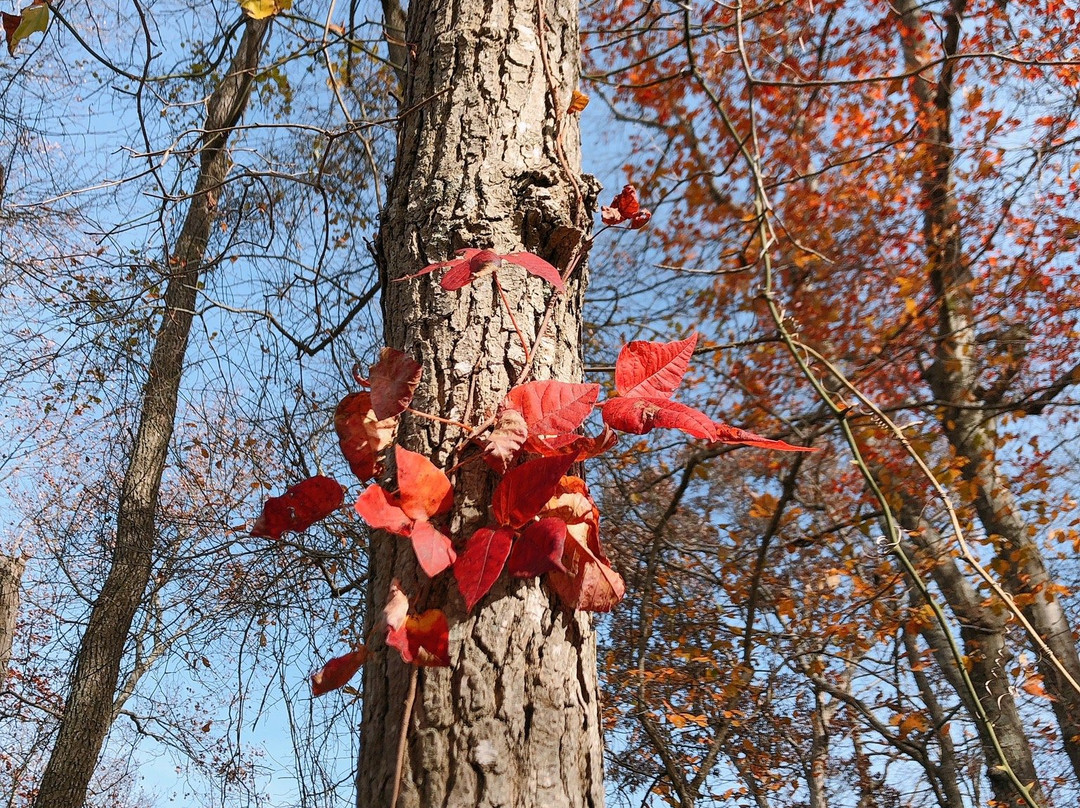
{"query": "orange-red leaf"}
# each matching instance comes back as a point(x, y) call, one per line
point(301, 506)
point(434, 551)
point(338, 671)
point(525, 489)
point(539, 549)
point(423, 640)
point(553, 407)
point(741, 437)
point(393, 381)
point(363, 438)
point(640, 415)
point(423, 488)
point(382, 511)
point(479, 565)
point(653, 369)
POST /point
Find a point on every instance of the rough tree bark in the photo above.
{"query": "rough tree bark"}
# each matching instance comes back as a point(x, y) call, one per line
point(485, 159)
point(88, 710)
point(11, 572)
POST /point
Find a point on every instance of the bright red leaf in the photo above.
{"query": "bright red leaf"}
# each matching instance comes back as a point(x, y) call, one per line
point(741, 437)
point(539, 549)
point(525, 489)
point(479, 565)
point(552, 407)
point(338, 671)
point(363, 438)
point(640, 415)
point(393, 381)
point(301, 506)
point(653, 369)
point(471, 264)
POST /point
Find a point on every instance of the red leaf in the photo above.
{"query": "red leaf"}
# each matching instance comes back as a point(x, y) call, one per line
point(382, 511)
point(641, 415)
point(580, 447)
point(539, 549)
point(338, 671)
point(459, 276)
point(535, 265)
point(423, 640)
point(301, 506)
point(625, 206)
point(734, 435)
point(653, 369)
point(553, 407)
point(472, 263)
point(588, 583)
point(363, 438)
point(423, 488)
point(626, 202)
point(434, 551)
point(505, 439)
point(478, 567)
point(525, 489)
point(393, 381)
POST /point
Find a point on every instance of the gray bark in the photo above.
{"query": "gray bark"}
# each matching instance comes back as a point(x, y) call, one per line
point(983, 636)
point(515, 721)
point(11, 572)
point(954, 376)
point(88, 711)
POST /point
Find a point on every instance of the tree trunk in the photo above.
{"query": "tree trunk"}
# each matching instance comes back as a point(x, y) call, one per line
point(983, 634)
point(515, 720)
point(11, 572)
point(954, 377)
point(89, 707)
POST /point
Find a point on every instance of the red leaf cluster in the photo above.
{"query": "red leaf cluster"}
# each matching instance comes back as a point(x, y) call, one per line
point(424, 492)
point(646, 376)
point(625, 207)
point(301, 506)
point(471, 264)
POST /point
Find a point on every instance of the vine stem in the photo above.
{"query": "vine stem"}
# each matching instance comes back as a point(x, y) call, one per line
point(403, 736)
point(510, 314)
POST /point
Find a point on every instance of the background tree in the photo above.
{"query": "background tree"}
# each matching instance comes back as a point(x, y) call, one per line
point(879, 194)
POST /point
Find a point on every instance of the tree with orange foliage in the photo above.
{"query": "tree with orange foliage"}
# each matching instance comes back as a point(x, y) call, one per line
point(874, 210)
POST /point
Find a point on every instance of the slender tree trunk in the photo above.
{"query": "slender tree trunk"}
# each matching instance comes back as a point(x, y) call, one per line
point(89, 707)
point(984, 642)
point(481, 163)
point(11, 572)
point(954, 378)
